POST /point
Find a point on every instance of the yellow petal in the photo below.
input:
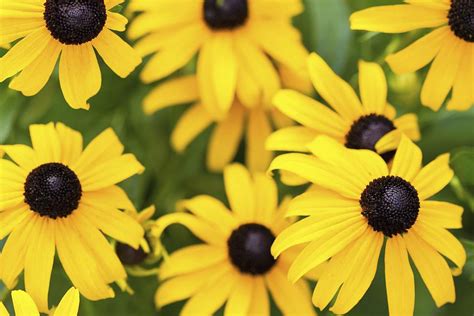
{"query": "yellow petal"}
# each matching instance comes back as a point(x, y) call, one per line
point(361, 275)
point(184, 286)
point(35, 75)
point(373, 87)
point(79, 74)
point(71, 144)
point(112, 222)
point(338, 93)
point(110, 197)
point(23, 53)
point(291, 299)
point(194, 121)
point(433, 269)
point(240, 297)
point(45, 141)
point(397, 18)
point(266, 195)
point(259, 128)
point(239, 188)
point(433, 177)
point(420, 53)
point(211, 210)
point(198, 227)
point(260, 304)
point(321, 249)
point(172, 92)
point(294, 138)
point(69, 305)
point(116, 21)
point(407, 160)
point(408, 125)
point(23, 304)
point(225, 139)
point(116, 53)
point(39, 262)
point(109, 173)
point(310, 113)
point(443, 71)
point(12, 217)
point(3, 310)
point(213, 295)
point(442, 241)
point(399, 278)
point(15, 27)
point(23, 155)
point(463, 94)
point(439, 213)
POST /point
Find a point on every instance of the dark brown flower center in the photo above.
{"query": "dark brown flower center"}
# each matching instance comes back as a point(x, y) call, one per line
point(53, 190)
point(225, 14)
point(249, 249)
point(75, 22)
point(128, 255)
point(367, 131)
point(390, 205)
point(461, 19)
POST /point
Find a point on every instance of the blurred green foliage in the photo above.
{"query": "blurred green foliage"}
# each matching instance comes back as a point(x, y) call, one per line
point(171, 176)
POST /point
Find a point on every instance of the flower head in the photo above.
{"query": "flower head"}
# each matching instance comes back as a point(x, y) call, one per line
point(450, 46)
point(233, 39)
point(357, 204)
point(369, 123)
point(72, 29)
point(234, 265)
point(56, 195)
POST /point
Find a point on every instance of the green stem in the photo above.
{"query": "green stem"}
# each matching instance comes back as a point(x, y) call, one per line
point(462, 193)
point(4, 293)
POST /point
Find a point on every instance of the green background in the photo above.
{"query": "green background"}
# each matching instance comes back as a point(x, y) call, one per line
point(170, 176)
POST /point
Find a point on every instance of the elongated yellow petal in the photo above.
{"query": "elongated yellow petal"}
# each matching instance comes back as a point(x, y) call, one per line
point(69, 305)
point(240, 191)
point(399, 278)
point(240, 297)
point(407, 160)
point(294, 138)
point(266, 198)
point(71, 144)
point(439, 213)
point(259, 128)
point(23, 155)
point(24, 304)
point(45, 141)
point(260, 304)
point(373, 87)
point(433, 177)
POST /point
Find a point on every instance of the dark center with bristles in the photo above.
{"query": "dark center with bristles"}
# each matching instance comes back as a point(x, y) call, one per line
point(249, 249)
point(461, 19)
point(225, 14)
point(128, 255)
point(367, 131)
point(53, 190)
point(390, 205)
point(75, 22)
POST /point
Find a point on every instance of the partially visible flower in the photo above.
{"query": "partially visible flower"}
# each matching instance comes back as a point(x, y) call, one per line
point(450, 45)
point(253, 123)
point(240, 46)
point(234, 265)
point(24, 305)
point(370, 124)
point(57, 195)
point(357, 204)
point(72, 29)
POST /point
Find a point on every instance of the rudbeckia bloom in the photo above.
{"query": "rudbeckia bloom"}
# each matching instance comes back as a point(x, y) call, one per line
point(370, 124)
point(450, 45)
point(234, 266)
point(255, 123)
point(233, 39)
point(25, 306)
point(72, 29)
point(357, 205)
point(55, 195)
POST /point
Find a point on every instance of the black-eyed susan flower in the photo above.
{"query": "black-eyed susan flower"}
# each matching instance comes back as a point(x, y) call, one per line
point(450, 45)
point(233, 39)
point(368, 123)
point(234, 265)
point(72, 29)
point(25, 306)
point(357, 205)
point(56, 195)
point(254, 124)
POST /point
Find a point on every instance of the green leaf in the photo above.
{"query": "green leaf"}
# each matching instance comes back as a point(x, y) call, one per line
point(462, 162)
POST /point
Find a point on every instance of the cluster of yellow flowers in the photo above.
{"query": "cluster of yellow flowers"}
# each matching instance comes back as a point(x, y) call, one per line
point(253, 79)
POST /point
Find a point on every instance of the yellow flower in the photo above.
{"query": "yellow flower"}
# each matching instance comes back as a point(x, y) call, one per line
point(227, 134)
point(370, 124)
point(234, 264)
point(25, 306)
point(450, 46)
point(358, 203)
point(234, 39)
point(70, 28)
point(56, 195)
